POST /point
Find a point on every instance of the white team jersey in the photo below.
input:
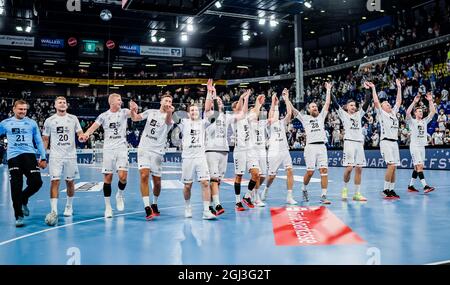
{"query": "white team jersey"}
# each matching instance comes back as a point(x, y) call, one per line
point(314, 127)
point(277, 140)
point(193, 138)
point(389, 123)
point(216, 133)
point(62, 131)
point(242, 134)
point(352, 125)
point(115, 127)
point(154, 136)
point(258, 131)
point(418, 131)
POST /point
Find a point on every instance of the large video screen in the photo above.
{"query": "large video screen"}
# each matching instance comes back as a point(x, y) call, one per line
point(91, 48)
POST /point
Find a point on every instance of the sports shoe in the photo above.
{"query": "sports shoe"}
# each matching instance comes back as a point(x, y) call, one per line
point(207, 215)
point(108, 212)
point(360, 198)
point(155, 210)
point(240, 207)
point(387, 194)
point(264, 194)
point(211, 209)
point(25, 210)
point(344, 193)
point(149, 214)
point(412, 189)
point(188, 212)
point(290, 200)
point(68, 211)
point(428, 189)
point(394, 195)
point(219, 210)
point(20, 222)
point(324, 200)
point(259, 203)
point(120, 202)
point(305, 196)
point(248, 202)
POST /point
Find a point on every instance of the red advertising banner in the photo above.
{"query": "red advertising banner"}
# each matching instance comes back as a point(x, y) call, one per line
point(303, 226)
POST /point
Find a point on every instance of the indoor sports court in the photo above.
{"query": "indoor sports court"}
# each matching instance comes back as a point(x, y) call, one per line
point(323, 85)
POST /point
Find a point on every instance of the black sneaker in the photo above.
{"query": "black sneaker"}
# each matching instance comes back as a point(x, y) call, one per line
point(428, 189)
point(248, 202)
point(412, 189)
point(219, 210)
point(25, 210)
point(239, 207)
point(387, 194)
point(211, 209)
point(155, 210)
point(149, 213)
point(394, 195)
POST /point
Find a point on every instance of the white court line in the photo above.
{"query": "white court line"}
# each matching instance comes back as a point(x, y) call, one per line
point(102, 218)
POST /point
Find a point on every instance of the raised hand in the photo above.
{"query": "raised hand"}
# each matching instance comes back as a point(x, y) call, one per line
point(285, 93)
point(133, 106)
point(429, 96)
point(169, 109)
point(261, 99)
point(366, 85)
point(274, 99)
point(371, 85)
point(209, 85)
point(417, 99)
point(398, 82)
point(328, 85)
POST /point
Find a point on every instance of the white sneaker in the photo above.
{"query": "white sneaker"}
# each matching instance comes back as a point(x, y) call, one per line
point(68, 211)
point(108, 212)
point(120, 202)
point(260, 203)
point(207, 215)
point(264, 194)
point(291, 201)
point(188, 212)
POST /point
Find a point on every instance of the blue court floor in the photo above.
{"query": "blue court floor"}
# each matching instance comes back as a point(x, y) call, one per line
point(412, 230)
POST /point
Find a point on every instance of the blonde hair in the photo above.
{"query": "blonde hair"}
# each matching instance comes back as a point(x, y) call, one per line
point(113, 95)
point(60, 98)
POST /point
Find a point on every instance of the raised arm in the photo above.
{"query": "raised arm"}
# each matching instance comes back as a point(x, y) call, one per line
point(328, 86)
point(169, 117)
point(432, 108)
point(246, 98)
point(135, 117)
point(285, 95)
point(411, 107)
point(258, 104)
point(366, 102)
point(376, 101)
point(209, 96)
point(398, 101)
point(273, 112)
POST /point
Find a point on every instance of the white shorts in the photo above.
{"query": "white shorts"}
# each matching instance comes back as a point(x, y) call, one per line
point(198, 165)
point(68, 168)
point(150, 160)
point(217, 163)
point(276, 161)
point(353, 154)
point(115, 160)
point(243, 161)
point(417, 154)
point(263, 165)
point(390, 152)
point(315, 156)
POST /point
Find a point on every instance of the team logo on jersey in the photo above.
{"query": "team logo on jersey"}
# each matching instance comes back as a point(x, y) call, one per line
point(153, 122)
point(195, 132)
point(15, 131)
point(59, 130)
point(114, 125)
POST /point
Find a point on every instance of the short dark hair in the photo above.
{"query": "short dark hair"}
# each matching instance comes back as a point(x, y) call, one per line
point(166, 95)
point(351, 101)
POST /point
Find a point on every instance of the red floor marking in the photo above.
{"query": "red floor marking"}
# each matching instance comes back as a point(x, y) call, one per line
point(302, 226)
